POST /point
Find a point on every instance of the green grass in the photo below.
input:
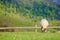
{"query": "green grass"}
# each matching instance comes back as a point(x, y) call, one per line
point(15, 20)
point(54, 22)
point(18, 20)
point(29, 36)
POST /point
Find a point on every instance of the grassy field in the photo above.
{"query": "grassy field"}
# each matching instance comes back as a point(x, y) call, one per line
point(18, 20)
point(29, 36)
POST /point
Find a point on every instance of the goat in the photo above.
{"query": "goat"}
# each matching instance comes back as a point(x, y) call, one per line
point(44, 25)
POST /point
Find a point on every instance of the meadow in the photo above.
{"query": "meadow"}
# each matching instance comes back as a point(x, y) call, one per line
point(29, 36)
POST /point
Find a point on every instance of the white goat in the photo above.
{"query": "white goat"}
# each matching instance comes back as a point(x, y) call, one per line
point(44, 25)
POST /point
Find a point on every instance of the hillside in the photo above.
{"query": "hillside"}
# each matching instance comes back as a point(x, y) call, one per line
point(29, 10)
point(33, 8)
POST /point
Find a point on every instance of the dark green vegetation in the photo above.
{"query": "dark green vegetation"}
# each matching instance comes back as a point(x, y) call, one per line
point(24, 12)
point(29, 36)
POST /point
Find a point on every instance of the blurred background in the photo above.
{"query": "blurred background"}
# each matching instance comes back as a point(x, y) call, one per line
point(29, 12)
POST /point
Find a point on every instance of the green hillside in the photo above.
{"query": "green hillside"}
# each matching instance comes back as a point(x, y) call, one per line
point(25, 12)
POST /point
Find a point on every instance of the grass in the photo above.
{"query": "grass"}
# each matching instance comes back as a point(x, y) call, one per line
point(11, 19)
point(29, 36)
point(15, 20)
point(54, 22)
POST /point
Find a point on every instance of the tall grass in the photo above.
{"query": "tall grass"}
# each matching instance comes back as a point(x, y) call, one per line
point(15, 20)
